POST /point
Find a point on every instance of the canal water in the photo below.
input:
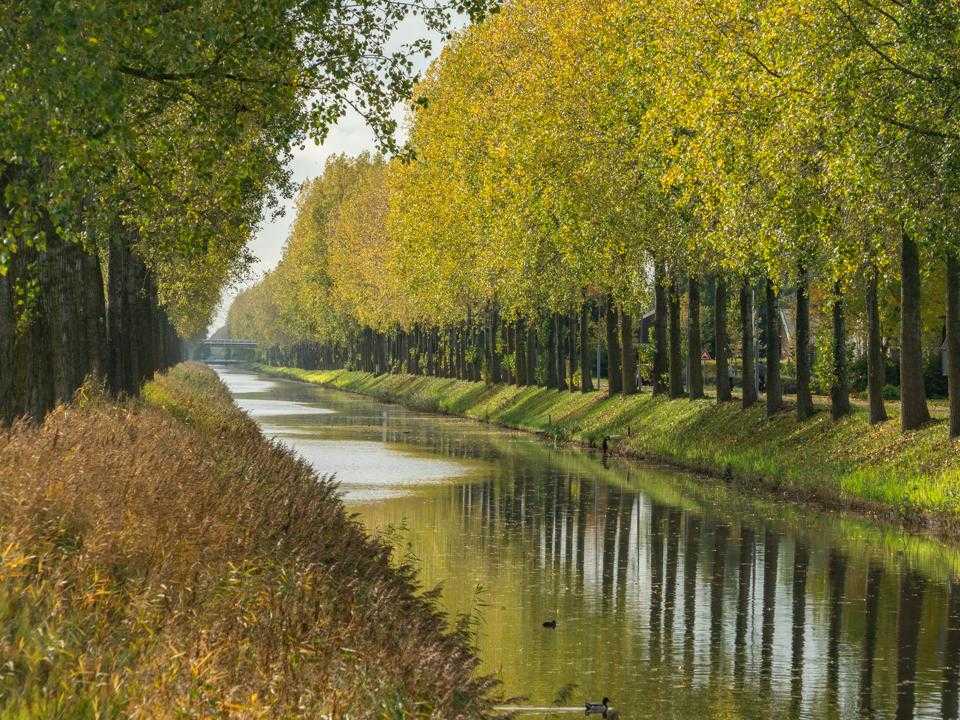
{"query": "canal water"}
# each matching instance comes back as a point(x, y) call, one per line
point(674, 596)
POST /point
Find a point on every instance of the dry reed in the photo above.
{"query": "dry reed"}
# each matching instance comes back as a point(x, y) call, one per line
point(161, 559)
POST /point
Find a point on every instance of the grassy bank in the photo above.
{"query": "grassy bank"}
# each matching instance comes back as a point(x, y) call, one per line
point(161, 559)
point(849, 463)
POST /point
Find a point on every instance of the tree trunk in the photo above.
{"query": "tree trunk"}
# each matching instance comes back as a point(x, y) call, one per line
point(509, 371)
point(876, 371)
point(8, 408)
point(953, 340)
point(571, 322)
point(804, 397)
point(552, 352)
point(28, 374)
point(532, 354)
point(433, 354)
point(840, 389)
point(520, 352)
point(746, 320)
point(720, 339)
point(694, 344)
point(774, 388)
point(614, 376)
point(134, 318)
point(659, 331)
point(494, 324)
point(586, 377)
point(8, 324)
point(913, 396)
point(558, 352)
point(676, 354)
point(628, 362)
point(118, 337)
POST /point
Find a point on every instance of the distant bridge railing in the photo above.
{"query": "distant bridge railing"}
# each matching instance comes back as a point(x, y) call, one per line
point(230, 343)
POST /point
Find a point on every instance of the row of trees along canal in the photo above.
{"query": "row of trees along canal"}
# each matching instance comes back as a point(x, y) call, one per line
point(574, 161)
point(140, 145)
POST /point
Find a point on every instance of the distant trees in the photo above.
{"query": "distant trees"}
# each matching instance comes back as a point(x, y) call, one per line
point(793, 157)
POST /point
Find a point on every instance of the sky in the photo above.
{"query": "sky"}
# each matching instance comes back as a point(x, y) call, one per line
point(350, 136)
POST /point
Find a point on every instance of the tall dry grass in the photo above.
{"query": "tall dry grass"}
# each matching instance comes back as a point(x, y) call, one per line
point(161, 559)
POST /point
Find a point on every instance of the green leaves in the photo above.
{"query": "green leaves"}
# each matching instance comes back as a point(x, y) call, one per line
point(180, 121)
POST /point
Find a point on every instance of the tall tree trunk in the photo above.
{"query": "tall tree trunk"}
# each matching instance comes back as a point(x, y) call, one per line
point(694, 344)
point(876, 371)
point(571, 322)
point(509, 375)
point(432, 356)
point(614, 376)
point(8, 335)
point(118, 337)
point(628, 362)
point(143, 302)
point(746, 321)
point(450, 363)
point(660, 351)
point(804, 397)
point(520, 352)
point(473, 365)
point(8, 321)
point(57, 302)
point(133, 317)
point(586, 378)
point(676, 354)
point(29, 370)
point(552, 352)
point(720, 338)
point(532, 378)
point(774, 388)
point(494, 324)
point(840, 389)
point(953, 340)
point(913, 396)
point(558, 351)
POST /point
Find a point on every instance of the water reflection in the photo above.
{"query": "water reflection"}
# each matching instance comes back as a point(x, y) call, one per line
point(801, 562)
point(871, 602)
point(676, 599)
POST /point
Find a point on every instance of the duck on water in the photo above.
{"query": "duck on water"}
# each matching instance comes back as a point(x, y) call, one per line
point(601, 708)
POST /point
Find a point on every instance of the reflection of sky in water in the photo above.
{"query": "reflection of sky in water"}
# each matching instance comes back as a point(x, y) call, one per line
point(369, 470)
point(242, 383)
point(276, 408)
point(335, 437)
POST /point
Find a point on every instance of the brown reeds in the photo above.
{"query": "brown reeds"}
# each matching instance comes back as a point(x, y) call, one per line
point(162, 559)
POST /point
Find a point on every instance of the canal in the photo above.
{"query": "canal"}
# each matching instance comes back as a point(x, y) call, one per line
point(675, 597)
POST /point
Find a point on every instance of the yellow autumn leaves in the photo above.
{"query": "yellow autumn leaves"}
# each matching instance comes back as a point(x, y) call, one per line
point(561, 147)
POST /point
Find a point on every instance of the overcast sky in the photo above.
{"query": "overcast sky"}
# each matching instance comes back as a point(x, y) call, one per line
point(349, 136)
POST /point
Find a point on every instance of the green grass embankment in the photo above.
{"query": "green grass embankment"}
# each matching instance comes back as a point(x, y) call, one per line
point(160, 559)
point(913, 477)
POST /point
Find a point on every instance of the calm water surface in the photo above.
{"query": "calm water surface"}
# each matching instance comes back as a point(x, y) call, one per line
point(676, 598)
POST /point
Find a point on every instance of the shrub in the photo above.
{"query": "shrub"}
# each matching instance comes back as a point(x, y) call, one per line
point(934, 381)
point(891, 392)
